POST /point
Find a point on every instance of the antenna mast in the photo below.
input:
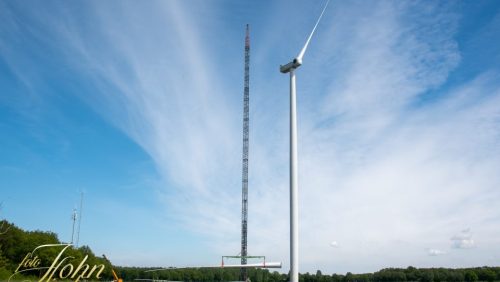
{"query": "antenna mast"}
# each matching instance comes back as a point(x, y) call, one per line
point(79, 220)
point(73, 218)
point(246, 117)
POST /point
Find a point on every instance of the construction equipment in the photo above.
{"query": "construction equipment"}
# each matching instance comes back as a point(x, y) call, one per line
point(115, 276)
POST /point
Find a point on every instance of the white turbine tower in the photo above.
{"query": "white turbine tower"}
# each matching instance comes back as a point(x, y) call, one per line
point(294, 201)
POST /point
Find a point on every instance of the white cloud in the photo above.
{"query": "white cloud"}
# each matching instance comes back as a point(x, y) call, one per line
point(463, 240)
point(464, 244)
point(334, 244)
point(435, 252)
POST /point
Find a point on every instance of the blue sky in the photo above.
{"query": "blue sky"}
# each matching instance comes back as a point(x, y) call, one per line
point(139, 105)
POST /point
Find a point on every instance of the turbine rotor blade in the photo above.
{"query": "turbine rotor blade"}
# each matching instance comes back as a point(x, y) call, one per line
point(301, 54)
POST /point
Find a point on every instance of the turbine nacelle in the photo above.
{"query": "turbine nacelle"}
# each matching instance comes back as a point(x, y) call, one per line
point(295, 63)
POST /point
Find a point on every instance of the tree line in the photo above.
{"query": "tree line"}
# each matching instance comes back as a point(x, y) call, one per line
point(488, 274)
point(15, 243)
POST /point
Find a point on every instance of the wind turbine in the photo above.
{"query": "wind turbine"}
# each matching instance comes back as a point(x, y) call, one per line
point(294, 201)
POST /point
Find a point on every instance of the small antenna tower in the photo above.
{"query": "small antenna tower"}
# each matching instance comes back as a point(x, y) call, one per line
point(73, 217)
point(79, 220)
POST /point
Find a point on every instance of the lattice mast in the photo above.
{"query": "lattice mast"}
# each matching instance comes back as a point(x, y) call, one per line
point(246, 117)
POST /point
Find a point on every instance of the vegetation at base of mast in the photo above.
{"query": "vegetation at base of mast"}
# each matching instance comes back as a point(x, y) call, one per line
point(16, 243)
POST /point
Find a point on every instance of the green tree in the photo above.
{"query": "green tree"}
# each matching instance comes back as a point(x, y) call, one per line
point(471, 276)
point(337, 278)
point(348, 277)
point(411, 273)
point(440, 275)
point(486, 274)
point(426, 275)
point(455, 276)
point(390, 274)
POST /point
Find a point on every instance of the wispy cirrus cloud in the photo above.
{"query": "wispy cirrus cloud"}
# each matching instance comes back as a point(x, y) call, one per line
point(392, 158)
